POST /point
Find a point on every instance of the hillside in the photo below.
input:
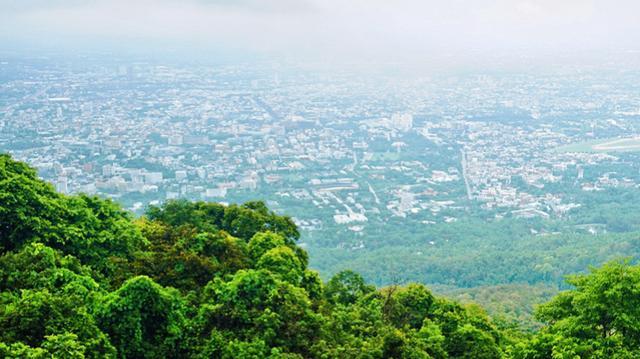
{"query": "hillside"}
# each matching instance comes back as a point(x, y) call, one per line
point(80, 277)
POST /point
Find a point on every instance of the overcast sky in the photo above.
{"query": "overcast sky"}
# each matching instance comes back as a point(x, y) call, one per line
point(340, 29)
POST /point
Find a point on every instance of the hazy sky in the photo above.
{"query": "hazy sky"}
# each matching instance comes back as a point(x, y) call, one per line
point(340, 29)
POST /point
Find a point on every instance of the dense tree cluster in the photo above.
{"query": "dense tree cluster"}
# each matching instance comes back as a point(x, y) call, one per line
point(600, 318)
point(80, 277)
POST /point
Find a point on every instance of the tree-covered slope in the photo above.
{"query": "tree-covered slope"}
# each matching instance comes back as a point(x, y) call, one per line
point(80, 277)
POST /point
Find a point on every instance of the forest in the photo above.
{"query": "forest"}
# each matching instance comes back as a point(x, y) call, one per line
point(82, 278)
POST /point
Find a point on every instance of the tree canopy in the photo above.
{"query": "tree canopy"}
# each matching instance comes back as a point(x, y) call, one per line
point(82, 278)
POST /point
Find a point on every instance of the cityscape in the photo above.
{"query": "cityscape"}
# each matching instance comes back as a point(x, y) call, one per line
point(320, 179)
point(339, 152)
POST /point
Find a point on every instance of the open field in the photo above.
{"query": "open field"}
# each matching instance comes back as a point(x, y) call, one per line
point(607, 145)
point(623, 144)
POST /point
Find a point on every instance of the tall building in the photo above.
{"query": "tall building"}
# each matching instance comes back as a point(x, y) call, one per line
point(107, 170)
point(402, 122)
point(180, 175)
point(62, 185)
point(153, 177)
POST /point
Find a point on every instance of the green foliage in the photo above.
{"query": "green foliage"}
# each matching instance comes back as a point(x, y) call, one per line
point(256, 303)
point(184, 258)
point(262, 242)
point(93, 230)
point(22, 351)
point(64, 346)
point(45, 294)
point(242, 221)
point(143, 319)
point(37, 266)
point(30, 209)
point(312, 283)
point(346, 287)
point(33, 316)
point(470, 253)
point(470, 342)
point(510, 305)
point(283, 262)
point(600, 318)
point(408, 306)
point(80, 278)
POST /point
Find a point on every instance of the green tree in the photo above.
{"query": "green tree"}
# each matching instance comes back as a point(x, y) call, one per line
point(80, 277)
point(32, 316)
point(283, 262)
point(346, 287)
point(144, 320)
point(262, 242)
point(257, 304)
point(91, 229)
point(599, 318)
point(408, 306)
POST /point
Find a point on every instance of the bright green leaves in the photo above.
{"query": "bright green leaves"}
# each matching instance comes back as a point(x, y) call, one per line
point(46, 296)
point(402, 322)
point(30, 209)
point(408, 306)
point(258, 304)
point(283, 262)
point(144, 320)
point(241, 221)
point(470, 342)
point(262, 242)
point(79, 277)
point(63, 346)
point(346, 287)
point(93, 230)
point(272, 252)
point(37, 266)
point(100, 229)
point(32, 316)
point(600, 318)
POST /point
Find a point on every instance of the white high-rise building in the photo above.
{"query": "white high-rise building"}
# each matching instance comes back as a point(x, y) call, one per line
point(107, 170)
point(181, 174)
point(153, 177)
point(62, 185)
point(402, 122)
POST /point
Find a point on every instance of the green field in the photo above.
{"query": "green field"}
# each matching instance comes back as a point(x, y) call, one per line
point(629, 144)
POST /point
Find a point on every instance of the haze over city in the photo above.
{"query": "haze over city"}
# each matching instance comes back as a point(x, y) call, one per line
point(298, 179)
point(408, 31)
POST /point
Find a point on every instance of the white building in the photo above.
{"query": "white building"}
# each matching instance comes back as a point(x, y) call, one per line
point(153, 177)
point(215, 192)
point(402, 122)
